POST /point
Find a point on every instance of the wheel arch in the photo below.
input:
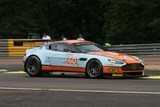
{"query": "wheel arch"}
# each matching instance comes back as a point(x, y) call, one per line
point(32, 56)
point(93, 59)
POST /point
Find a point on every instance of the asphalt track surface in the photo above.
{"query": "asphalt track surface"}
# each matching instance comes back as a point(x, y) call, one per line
point(17, 89)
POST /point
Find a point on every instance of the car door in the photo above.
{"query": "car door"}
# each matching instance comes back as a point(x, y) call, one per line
point(65, 56)
point(75, 58)
point(61, 55)
point(56, 54)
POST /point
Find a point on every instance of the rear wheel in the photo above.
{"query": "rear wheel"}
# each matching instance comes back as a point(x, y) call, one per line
point(33, 66)
point(94, 69)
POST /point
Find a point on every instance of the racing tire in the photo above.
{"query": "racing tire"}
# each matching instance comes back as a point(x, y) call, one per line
point(94, 69)
point(33, 67)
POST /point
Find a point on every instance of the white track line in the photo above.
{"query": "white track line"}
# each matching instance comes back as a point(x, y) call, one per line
point(85, 91)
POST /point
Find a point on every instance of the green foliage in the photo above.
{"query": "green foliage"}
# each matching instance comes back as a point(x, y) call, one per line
point(132, 21)
point(113, 21)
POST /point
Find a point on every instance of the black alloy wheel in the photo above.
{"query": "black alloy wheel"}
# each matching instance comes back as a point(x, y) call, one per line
point(94, 69)
point(33, 66)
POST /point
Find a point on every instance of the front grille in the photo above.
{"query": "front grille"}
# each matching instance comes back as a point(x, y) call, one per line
point(133, 73)
point(129, 67)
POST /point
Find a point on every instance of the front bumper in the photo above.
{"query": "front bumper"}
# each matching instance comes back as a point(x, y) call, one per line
point(119, 72)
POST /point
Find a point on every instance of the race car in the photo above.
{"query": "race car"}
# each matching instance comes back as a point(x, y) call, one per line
point(80, 57)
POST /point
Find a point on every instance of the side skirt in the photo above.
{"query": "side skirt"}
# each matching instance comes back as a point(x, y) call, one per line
point(62, 68)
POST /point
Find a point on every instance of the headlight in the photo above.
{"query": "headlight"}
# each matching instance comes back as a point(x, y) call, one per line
point(115, 61)
point(138, 59)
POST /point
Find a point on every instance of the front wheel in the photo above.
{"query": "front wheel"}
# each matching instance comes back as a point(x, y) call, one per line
point(94, 69)
point(33, 66)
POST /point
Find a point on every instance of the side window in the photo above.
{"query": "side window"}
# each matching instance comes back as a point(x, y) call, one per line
point(63, 48)
point(53, 47)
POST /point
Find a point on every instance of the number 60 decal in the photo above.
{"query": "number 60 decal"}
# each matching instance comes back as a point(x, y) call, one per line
point(72, 60)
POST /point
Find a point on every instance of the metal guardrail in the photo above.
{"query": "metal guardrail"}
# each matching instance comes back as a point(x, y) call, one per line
point(138, 49)
point(17, 47)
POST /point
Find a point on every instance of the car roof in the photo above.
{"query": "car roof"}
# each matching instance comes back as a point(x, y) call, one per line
point(76, 41)
point(71, 42)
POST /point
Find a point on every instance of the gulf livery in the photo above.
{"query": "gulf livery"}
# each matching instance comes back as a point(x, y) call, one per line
point(80, 57)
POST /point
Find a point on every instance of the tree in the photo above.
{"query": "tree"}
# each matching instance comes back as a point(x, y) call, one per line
point(113, 21)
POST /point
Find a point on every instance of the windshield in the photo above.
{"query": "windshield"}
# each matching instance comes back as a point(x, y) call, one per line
point(89, 48)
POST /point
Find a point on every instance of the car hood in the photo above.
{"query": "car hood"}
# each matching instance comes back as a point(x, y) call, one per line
point(120, 56)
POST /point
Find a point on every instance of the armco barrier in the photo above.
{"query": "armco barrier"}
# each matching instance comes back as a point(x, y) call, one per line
point(138, 49)
point(17, 47)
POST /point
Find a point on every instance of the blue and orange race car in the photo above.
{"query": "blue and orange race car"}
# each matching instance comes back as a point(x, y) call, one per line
point(80, 57)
